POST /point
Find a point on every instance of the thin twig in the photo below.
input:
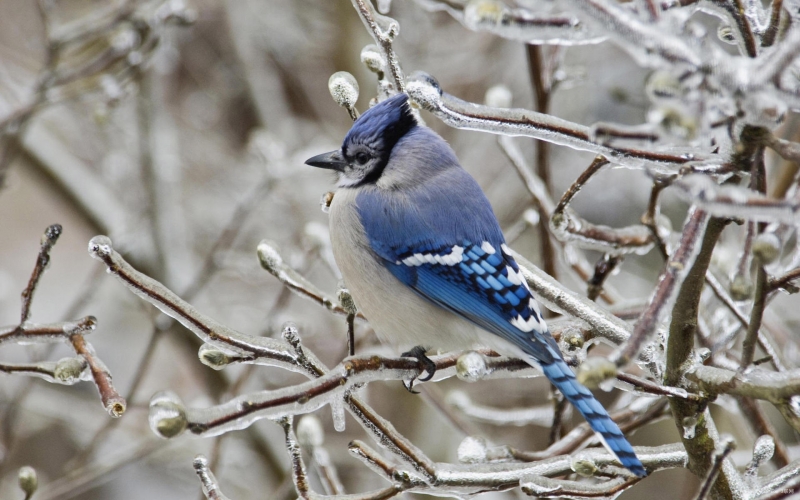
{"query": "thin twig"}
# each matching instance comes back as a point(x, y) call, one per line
point(784, 282)
point(763, 427)
point(759, 304)
point(757, 383)
point(713, 472)
point(649, 217)
point(49, 239)
point(605, 266)
point(536, 72)
point(208, 481)
point(668, 285)
point(771, 33)
point(384, 37)
point(112, 401)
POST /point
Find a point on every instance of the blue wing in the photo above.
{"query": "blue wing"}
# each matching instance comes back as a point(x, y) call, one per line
point(483, 284)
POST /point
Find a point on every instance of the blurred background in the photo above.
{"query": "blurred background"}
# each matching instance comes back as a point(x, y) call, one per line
point(180, 131)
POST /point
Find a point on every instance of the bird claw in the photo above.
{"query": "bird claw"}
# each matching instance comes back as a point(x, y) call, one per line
point(426, 365)
point(409, 385)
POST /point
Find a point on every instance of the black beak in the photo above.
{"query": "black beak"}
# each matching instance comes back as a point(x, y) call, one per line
point(332, 160)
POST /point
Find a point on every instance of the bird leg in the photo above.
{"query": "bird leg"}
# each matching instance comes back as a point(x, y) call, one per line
point(426, 365)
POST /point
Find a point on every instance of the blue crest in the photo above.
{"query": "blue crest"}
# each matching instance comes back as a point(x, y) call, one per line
point(381, 126)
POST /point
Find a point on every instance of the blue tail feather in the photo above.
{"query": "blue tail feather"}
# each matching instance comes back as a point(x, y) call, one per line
point(562, 377)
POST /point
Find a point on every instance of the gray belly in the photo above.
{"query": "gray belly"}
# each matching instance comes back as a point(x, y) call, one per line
point(399, 316)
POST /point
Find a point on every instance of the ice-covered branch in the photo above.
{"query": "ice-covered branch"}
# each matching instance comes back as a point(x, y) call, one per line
point(568, 226)
point(208, 481)
point(538, 486)
point(736, 201)
point(272, 261)
point(425, 90)
point(701, 439)
point(538, 190)
point(68, 370)
point(538, 415)
point(278, 352)
point(112, 401)
point(755, 383)
point(517, 23)
point(49, 239)
point(783, 483)
point(383, 30)
point(31, 333)
point(668, 286)
point(727, 447)
point(337, 383)
point(642, 40)
point(785, 281)
point(471, 478)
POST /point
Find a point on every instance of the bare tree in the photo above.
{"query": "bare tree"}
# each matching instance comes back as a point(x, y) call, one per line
point(179, 131)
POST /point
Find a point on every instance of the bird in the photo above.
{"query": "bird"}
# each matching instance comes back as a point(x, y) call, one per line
point(423, 256)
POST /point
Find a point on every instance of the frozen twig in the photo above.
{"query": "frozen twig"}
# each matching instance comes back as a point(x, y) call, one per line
point(783, 483)
point(564, 488)
point(567, 226)
point(784, 282)
point(277, 352)
point(425, 90)
point(726, 299)
point(628, 419)
point(734, 11)
point(604, 268)
point(208, 481)
point(735, 201)
point(771, 33)
point(649, 387)
point(535, 185)
point(517, 23)
point(629, 32)
point(756, 383)
point(49, 239)
point(788, 150)
point(541, 78)
point(112, 401)
point(540, 193)
point(713, 472)
point(68, 370)
point(383, 30)
point(757, 313)
point(538, 415)
point(668, 286)
point(466, 479)
point(762, 426)
point(272, 261)
point(241, 411)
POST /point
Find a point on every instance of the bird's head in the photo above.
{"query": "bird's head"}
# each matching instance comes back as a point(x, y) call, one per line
point(368, 145)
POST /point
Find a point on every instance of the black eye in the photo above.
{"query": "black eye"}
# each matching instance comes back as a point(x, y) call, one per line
point(362, 157)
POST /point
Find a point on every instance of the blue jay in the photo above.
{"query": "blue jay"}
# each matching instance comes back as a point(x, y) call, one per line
point(423, 256)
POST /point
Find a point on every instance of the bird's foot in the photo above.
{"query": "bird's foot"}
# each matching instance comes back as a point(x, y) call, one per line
point(426, 365)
